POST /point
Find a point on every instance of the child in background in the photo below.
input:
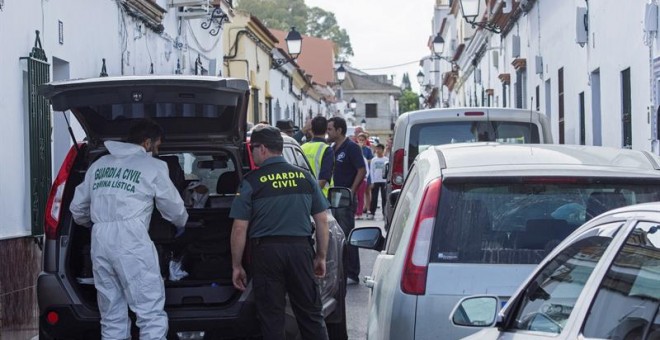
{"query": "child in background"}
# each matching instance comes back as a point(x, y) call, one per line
point(377, 171)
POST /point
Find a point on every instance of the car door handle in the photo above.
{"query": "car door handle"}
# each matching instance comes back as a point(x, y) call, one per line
point(368, 282)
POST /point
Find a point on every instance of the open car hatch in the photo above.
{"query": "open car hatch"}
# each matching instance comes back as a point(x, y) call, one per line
point(189, 108)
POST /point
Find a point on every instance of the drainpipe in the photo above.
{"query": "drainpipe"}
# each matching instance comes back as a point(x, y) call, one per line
point(650, 33)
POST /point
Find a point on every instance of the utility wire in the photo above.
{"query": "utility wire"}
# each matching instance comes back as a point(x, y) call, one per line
point(390, 66)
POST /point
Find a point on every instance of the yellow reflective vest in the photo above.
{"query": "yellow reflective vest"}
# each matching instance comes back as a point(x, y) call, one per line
point(314, 153)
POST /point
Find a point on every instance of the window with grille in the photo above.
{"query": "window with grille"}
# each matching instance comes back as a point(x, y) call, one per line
point(626, 108)
point(38, 113)
point(560, 107)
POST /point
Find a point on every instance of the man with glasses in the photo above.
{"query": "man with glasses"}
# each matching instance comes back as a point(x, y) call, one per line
point(283, 259)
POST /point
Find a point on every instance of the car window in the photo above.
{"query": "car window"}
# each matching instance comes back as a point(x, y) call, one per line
point(295, 156)
point(548, 300)
point(301, 160)
point(205, 169)
point(404, 211)
point(424, 135)
point(627, 302)
point(520, 220)
point(287, 152)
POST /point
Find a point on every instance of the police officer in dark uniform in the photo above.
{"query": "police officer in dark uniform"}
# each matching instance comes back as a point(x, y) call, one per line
point(272, 209)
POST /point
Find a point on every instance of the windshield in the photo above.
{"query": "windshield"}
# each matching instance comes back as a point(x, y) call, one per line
point(521, 222)
point(423, 136)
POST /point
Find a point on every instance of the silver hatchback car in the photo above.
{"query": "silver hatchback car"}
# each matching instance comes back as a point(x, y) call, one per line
point(478, 218)
point(602, 282)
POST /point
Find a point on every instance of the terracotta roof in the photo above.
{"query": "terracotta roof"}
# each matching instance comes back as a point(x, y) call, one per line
point(316, 56)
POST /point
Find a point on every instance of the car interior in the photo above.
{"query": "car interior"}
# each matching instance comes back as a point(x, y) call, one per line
point(533, 220)
point(207, 182)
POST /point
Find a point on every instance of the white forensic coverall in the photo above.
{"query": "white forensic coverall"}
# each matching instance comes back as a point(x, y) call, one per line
point(117, 197)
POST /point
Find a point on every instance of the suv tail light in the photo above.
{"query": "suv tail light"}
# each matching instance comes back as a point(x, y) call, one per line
point(397, 169)
point(413, 280)
point(54, 203)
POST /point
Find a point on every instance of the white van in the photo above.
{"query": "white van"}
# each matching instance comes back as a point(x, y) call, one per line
point(415, 131)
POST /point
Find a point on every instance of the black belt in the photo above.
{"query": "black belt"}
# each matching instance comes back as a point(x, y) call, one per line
point(281, 239)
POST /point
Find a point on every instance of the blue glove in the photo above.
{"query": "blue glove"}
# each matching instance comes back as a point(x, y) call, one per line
point(179, 231)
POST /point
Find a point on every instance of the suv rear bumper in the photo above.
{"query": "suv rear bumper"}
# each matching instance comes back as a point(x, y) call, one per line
point(72, 325)
point(77, 321)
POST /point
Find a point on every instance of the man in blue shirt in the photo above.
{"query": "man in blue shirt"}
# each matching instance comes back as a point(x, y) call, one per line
point(349, 172)
point(283, 259)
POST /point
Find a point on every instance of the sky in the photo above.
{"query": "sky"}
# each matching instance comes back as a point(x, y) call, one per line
point(384, 33)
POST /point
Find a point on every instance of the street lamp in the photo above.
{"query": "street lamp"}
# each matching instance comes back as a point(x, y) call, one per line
point(341, 73)
point(353, 104)
point(293, 43)
point(471, 10)
point(420, 77)
point(438, 44)
point(363, 124)
point(293, 46)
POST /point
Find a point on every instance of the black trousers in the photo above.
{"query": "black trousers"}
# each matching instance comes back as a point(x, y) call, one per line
point(346, 219)
point(280, 267)
point(375, 187)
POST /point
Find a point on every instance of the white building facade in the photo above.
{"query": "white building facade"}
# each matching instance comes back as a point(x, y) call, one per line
point(587, 65)
point(76, 39)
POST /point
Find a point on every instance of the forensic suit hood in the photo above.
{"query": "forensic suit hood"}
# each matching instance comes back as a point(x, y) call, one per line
point(117, 197)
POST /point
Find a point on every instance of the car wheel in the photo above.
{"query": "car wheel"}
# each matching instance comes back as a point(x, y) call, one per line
point(336, 321)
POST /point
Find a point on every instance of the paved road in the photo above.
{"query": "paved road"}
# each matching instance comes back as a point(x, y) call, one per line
point(357, 296)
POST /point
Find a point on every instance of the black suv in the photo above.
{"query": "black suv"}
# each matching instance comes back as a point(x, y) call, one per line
point(204, 119)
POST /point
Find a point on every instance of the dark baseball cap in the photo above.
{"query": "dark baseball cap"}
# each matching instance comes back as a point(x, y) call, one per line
point(267, 135)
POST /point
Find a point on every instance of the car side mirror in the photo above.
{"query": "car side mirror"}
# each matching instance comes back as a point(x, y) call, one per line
point(340, 197)
point(366, 237)
point(476, 311)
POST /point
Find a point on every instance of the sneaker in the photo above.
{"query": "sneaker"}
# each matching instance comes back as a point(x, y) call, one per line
point(350, 281)
point(370, 216)
point(359, 217)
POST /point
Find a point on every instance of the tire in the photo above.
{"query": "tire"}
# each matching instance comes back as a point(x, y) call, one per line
point(336, 322)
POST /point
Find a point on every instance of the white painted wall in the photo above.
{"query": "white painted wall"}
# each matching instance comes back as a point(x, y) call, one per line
point(93, 29)
point(616, 42)
point(280, 83)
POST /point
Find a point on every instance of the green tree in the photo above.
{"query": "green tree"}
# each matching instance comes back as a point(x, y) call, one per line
point(316, 22)
point(409, 101)
point(405, 83)
point(278, 14)
point(323, 24)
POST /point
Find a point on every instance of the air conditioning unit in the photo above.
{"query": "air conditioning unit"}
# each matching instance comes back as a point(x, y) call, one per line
point(193, 12)
point(539, 64)
point(651, 18)
point(581, 26)
point(515, 46)
point(183, 3)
